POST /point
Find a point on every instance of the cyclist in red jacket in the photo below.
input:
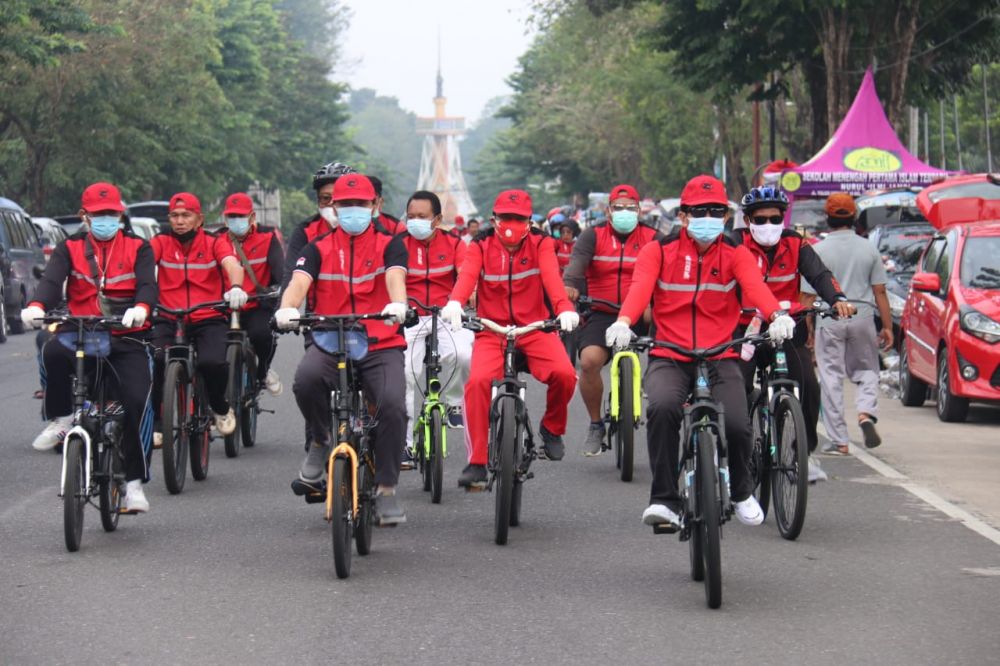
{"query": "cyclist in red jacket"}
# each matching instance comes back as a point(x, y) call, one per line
point(513, 269)
point(690, 278)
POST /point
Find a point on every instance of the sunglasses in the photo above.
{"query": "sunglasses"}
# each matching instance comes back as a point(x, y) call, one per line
point(617, 208)
point(769, 219)
point(707, 211)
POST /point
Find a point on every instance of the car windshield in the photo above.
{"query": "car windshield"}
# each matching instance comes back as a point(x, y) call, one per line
point(903, 244)
point(981, 190)
point(979, 262)
point(809, 214)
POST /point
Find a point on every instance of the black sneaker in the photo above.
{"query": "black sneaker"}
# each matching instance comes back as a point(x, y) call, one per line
point(456, 418)
point(872, 438)
point(552, 445)
point(473, 476)
point(409, 460)
point(388, 512)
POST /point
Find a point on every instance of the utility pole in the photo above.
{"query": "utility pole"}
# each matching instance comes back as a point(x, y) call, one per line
point(958, 134)
point(927, 138)
point(944, 159)
point(986, 122)
point(774, 148)
point(756, 128)
point(914, 142)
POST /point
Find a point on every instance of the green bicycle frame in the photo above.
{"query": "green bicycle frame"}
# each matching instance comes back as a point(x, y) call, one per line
point(432, 402)
point(636, 385)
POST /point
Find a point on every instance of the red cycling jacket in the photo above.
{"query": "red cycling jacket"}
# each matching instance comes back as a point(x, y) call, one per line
point(609, 273)
point(694, 296)
point(433, 267)
point(564, 250)
point(348, 274)
point(264, 256)
point(190, 274)
point(513, 287)
point(123, 266)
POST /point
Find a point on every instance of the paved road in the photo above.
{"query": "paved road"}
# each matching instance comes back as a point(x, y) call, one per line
point(236, 569)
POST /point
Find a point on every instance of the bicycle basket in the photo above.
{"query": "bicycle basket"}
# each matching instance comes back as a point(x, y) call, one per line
point(95, 343)
point(356, 343)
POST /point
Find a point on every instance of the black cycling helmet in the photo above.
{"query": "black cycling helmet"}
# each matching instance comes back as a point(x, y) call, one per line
point(765, 196)
point(329, 173)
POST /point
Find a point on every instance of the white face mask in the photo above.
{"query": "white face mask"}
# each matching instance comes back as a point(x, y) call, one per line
point(766, 235)
point(330, 215)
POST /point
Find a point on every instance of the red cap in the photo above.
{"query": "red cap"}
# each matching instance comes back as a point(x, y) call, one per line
point(459, 221)
point(102, 196)
point(353, 186)
point(624, 192)
point(517, 202)
point(238, 204)
point(185, 200)
point(702, 190)
point(840, 204)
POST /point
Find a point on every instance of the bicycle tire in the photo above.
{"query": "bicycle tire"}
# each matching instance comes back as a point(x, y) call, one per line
point(74, 495)
point(696, 547)
point(341, 520)
point(234, 393)
point(504, 470)
point(366, 507)
point(423, 463)
point(251, 408)
point(760, 452)
point(109, 490)
point(625, 432)
point(709, 501)
point(790, 476)
point(199, 445)
point(436, 463)
point(175, 418)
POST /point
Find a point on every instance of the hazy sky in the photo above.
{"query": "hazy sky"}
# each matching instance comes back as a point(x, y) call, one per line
point(391, 46)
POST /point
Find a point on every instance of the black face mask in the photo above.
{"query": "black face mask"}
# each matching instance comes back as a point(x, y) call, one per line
point(184, 237)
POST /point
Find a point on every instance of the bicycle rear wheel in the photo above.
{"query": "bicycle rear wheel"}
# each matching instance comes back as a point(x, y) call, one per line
point(202, 434)
point(365, 519)
point(790, 475)
point(251, 408)
point(760, 451)
point(74, 494)
point(625, 432)
point(436, 464)
point(341, 521)
point(234, 393)
point(110, 490)
point(709, 505)
point(504, 487)
point(175, 417)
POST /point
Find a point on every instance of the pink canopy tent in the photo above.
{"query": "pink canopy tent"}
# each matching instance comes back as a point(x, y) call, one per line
point(863, 154)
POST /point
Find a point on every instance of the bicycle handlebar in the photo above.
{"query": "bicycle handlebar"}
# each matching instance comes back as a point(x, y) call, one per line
point(511, 331)
point(700, 354)
point(182, 312)
point(79, 319)
point(433, 309)
point(588, 301)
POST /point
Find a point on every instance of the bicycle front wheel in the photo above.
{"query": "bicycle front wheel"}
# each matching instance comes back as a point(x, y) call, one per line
point(760, 450)
point(790, 475)
point(175, 417)
point(110, 490)
point(234, 391)
point(504, 487)
point(625, 432)
point(341, 519)
point(250, 406)
point(366, 506)
point(436, 463)
point(74, 494)
point(709, 505)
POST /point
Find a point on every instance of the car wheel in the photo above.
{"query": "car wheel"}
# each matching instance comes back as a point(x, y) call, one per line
point(950, 407)
point(912, 391)
point(3, 318)
point(14, 324)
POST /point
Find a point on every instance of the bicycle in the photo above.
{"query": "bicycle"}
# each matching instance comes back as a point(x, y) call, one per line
point(243, 388)
point(93, 461)
point(430, 439)
point(511, 438)
point(185, 414)
point(349, 493)
point(623, 408)
point(703, 469)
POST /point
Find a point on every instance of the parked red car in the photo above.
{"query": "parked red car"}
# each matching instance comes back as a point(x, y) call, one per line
point(951, 321)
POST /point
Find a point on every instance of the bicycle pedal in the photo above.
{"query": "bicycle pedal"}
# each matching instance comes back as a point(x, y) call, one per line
point(126, 512)
point(266, 411)
point(665, 528)
point(301, 488)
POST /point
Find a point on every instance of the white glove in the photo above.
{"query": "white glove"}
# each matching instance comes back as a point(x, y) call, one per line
point(283, 318)
point(395, 310)
point(781, 329)
point(618, 335)
point(29, 314)
point(236, 298)
point(452, 315)
point(134, 317)
point(568, 320)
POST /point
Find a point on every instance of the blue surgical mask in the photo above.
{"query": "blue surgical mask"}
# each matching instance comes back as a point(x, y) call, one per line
point(104, 227)
point(624, 221)
point(354, 220)
point(419, 228)
point(238, 226)
point(705, 229)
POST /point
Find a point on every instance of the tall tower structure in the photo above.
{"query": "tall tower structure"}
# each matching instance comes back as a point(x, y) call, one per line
point(440, 162)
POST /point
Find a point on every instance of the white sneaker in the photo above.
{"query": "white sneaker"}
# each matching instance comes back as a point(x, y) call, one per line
point(273, 383)
point(748, 511)
point(816, 472)
point(53, 433)
point(659, 514)
point(135, 498)
point(226, 423)
point(157, 440)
